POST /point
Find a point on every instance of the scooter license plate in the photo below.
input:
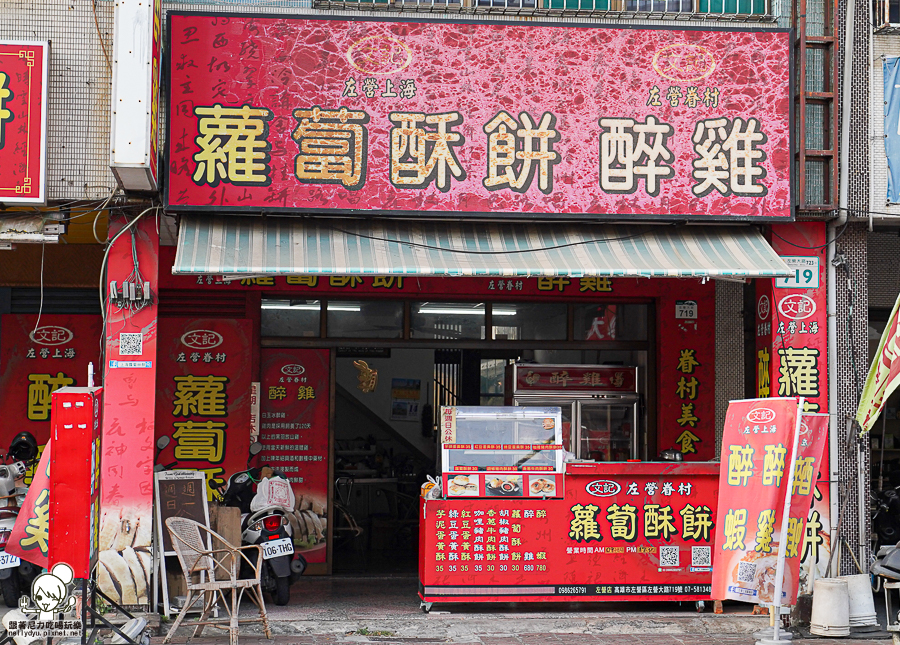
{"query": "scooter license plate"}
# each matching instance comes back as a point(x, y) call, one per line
point(275, 548)
point(8, 561)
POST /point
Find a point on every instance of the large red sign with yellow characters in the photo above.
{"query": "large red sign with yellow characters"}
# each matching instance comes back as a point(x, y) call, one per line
point(405, 117)
point(23, 121)
point(203, 394)
point(642, 535)
point(38, 357)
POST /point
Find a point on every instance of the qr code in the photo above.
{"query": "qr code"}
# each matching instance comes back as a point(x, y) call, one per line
point(131, 344)
point(668, 556)
point(701, 556)
point(746, 571)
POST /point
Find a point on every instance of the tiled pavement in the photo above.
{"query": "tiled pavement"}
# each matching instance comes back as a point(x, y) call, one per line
point(521, 639)
point(385, 611)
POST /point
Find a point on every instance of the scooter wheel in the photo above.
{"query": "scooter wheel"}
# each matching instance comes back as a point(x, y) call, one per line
point(282, 591)
point(10, 589)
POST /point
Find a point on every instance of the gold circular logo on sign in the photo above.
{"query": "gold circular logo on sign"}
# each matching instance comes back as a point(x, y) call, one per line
point(379, 55)
point(684, 62)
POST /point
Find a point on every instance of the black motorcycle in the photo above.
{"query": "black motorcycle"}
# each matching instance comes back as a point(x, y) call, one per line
point(269, 528)
point(16, 575)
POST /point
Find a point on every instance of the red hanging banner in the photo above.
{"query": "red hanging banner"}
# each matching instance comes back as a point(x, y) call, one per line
point(203, 394)
point(294, 414)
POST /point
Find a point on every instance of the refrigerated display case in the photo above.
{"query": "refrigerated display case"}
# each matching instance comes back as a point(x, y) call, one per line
point(501, 451)
point(600, 406)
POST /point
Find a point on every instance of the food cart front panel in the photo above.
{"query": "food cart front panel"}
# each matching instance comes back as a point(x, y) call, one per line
point(622, 531)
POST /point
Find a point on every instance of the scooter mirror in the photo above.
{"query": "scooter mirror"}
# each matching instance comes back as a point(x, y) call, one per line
point(255, 448)
point(163, 441)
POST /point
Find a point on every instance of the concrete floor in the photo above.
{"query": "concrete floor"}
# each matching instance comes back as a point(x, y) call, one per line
point(339, 607)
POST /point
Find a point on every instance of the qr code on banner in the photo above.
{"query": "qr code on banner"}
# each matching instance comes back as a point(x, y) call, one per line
point(131, 344)
point(701, 556)
point(668, 556)
point(746, 571)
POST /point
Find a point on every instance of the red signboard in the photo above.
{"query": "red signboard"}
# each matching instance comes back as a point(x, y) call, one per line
point(644, 534)
point(75, 483)
point(757, 450)
point(39, 356)
point(23, 121)
point(553, 378)
point(203, 394)
point(792, 352)
point(295, 395)
point(405, 117)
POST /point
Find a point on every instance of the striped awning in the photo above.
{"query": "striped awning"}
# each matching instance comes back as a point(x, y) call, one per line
point(246, 247)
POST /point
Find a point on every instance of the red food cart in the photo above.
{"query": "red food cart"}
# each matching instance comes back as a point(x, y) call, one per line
point(606, 531)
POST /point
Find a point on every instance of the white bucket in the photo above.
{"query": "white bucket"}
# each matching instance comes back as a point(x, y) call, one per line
point(862, 604)
point(830, 608)
point(15, 614)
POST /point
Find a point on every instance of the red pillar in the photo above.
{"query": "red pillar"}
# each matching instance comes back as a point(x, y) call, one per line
point(128, 419)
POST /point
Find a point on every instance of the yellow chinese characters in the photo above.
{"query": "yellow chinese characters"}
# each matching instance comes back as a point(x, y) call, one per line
point(419, 156)
point(511, 152)
point(233, 145)
point(333, 146)
point(584, 527)
point(6, 114)
point(40, 387)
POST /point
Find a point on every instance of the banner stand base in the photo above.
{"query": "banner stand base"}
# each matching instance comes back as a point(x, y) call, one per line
point(89, 590)
point(764, 636)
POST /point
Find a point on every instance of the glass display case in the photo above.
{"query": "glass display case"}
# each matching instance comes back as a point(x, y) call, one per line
point(501, 451)
point(600, 406)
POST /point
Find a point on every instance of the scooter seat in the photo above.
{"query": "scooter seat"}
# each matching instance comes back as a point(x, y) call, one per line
point(888, 566)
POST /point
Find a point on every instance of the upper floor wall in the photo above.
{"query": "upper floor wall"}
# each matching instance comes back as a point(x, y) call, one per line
point(80, 78)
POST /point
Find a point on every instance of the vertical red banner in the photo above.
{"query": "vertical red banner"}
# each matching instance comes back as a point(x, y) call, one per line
point(203, 401)
point(686, 370)
point(792, 356)
point(757, 449)
point(129, 394)
point(294, 420)
point(39, 357)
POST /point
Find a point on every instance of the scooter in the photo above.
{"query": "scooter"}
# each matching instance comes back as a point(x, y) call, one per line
point(16, 575)
point(267, 507)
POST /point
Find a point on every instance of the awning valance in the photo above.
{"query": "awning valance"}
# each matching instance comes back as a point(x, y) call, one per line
point(243, 246)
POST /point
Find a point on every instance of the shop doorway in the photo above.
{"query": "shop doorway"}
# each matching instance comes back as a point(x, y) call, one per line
point(385, 441)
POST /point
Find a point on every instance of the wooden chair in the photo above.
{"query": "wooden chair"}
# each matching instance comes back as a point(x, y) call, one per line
point(199, 561)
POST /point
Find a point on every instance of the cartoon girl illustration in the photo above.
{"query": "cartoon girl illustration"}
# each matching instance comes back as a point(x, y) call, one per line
point(50, 593)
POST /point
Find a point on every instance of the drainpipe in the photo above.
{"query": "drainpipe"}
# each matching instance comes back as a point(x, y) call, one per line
point(843, 203)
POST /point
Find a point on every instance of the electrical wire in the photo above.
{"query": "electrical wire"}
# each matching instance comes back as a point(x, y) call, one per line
point(511, 252)
point(106, 258)
point(41, 302)
point(812, 248)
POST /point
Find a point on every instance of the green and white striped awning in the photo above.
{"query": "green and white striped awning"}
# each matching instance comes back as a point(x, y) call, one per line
point(243, 246)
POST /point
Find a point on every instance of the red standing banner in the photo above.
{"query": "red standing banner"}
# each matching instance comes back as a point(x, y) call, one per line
point(294, 416)
point(30, 536)
point(645, 535)
point(757, 450)
point(203, 394)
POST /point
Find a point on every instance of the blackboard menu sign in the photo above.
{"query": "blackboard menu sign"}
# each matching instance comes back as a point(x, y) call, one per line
point(180, 493)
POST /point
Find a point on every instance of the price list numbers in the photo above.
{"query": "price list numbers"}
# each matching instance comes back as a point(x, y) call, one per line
point(487, 540)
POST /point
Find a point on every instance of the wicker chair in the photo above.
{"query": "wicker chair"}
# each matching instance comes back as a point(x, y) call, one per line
point(195, 558)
